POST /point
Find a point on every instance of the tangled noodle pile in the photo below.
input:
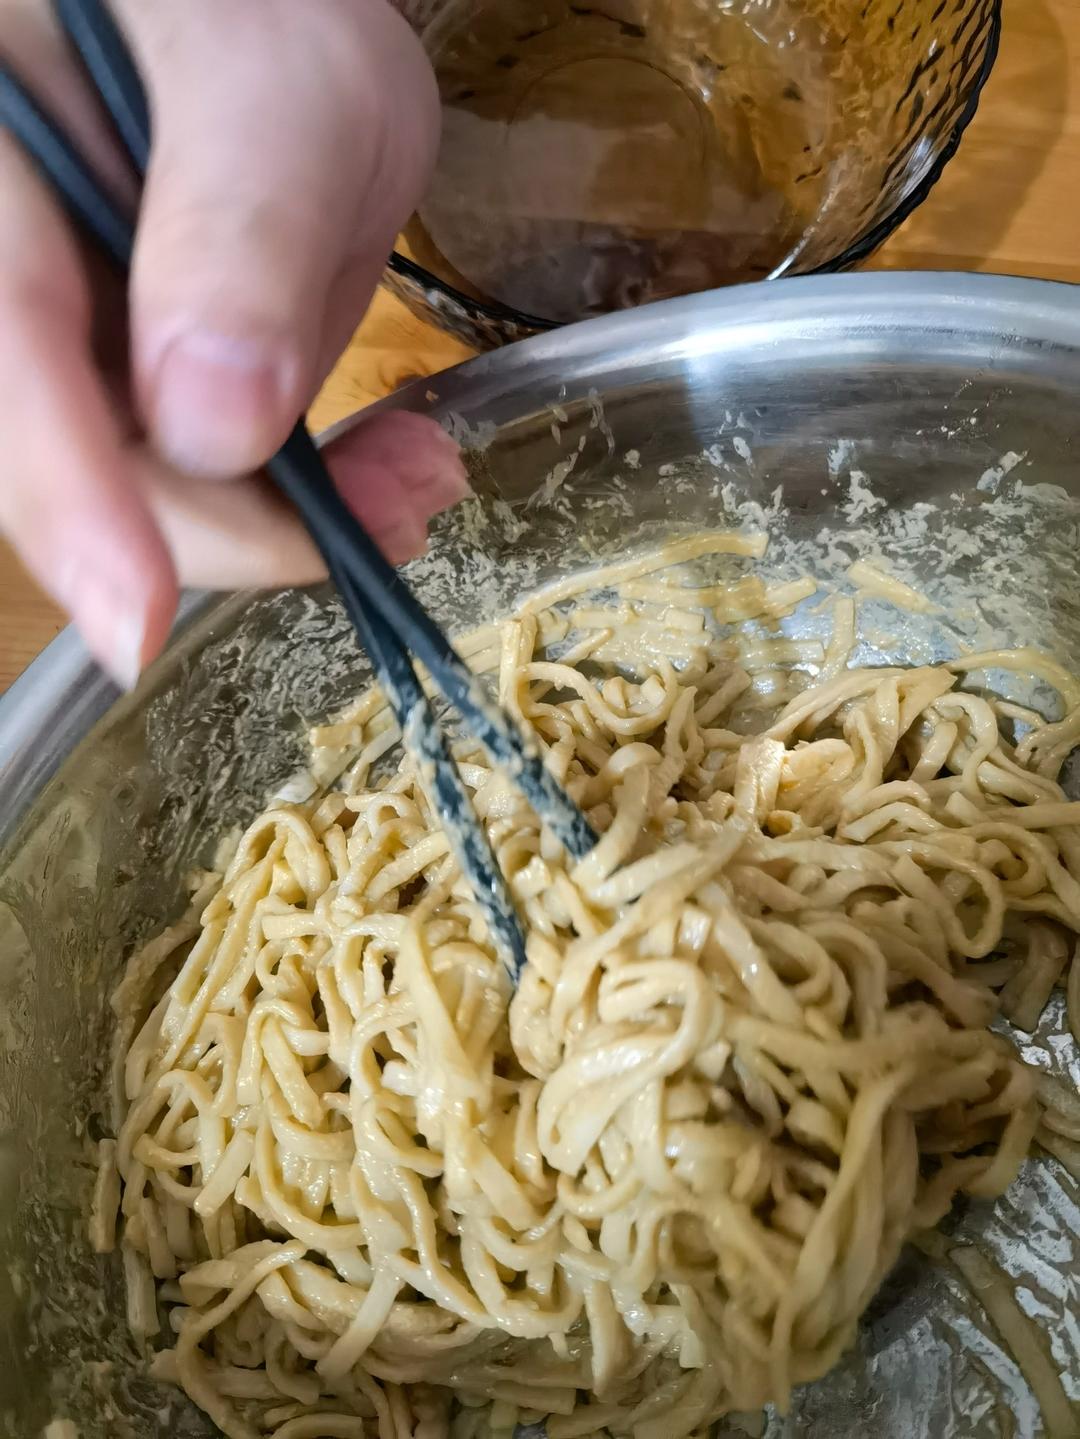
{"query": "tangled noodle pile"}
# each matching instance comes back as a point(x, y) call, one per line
point(375, 1192)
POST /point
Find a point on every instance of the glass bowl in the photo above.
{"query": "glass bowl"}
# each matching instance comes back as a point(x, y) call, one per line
point(600, 154)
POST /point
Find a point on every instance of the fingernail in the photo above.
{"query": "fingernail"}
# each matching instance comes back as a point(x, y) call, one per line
point(219, 402)
point(440, 485)
point(452, 469)
point(113, 627)
point(449, 485)
point(126, 650)
point(403, 541)
point(443, 440)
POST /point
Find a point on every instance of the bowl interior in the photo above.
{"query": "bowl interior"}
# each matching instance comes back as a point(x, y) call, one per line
point(823, 411)
point(596, 157)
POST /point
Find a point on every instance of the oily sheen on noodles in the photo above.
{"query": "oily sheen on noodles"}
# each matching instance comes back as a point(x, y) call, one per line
point(368, 1189)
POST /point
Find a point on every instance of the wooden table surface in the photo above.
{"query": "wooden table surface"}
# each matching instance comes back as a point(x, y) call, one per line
point(1007, 202)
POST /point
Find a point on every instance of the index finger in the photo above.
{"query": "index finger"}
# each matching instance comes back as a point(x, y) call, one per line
point(70, 498)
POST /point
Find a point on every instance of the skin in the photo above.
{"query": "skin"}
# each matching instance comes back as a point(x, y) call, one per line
point(292, 138)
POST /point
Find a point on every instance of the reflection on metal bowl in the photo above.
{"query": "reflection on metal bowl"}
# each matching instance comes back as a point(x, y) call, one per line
point(929, 420)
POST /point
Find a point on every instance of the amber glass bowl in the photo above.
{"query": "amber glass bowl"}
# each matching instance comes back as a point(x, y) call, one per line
point(599, 154)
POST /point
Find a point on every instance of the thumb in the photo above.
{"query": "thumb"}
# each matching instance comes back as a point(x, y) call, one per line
point(276, 181)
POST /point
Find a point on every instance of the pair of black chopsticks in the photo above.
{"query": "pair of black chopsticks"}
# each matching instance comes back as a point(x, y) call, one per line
point(389, 620)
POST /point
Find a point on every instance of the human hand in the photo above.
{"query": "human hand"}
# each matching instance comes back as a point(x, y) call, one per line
point(290, 143)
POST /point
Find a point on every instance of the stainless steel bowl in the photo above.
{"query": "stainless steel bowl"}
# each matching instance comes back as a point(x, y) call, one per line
point(933, 420)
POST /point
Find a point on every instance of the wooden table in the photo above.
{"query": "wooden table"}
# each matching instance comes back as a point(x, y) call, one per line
point(1008, 202)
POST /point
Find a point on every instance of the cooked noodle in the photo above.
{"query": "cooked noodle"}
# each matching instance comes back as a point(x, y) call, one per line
point(375, 1192)
point(994, 1291)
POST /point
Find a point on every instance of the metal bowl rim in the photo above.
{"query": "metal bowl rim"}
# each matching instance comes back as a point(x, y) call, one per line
point(57, 700)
